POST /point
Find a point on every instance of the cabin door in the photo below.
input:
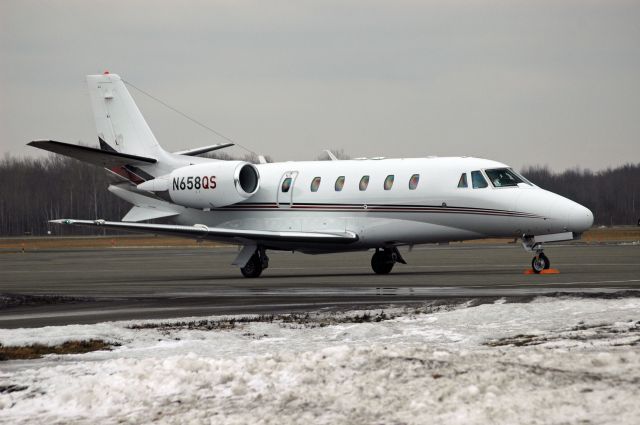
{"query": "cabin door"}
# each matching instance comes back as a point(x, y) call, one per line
point(285, 189)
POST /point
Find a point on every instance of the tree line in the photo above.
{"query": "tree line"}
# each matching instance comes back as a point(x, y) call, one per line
point(36, 190)
point(613, 195)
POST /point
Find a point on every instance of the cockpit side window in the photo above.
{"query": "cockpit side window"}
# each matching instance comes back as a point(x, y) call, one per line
point(504, 177)
point(478, 181)
point(463, 181)
point(521, 177)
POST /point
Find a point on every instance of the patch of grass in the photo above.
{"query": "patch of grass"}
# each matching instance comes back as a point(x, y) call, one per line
point(36, 351)
point(628, 335)
point(32, 243)
point(517, 341)
point(6, 389)
point(305, 320)
point(20, 300)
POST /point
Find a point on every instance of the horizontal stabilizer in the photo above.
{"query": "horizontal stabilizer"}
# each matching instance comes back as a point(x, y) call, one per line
point(99, 157)
point(201, 231)
point(204, 149)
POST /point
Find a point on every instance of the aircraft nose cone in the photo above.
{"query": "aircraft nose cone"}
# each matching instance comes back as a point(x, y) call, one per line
point(580, 219)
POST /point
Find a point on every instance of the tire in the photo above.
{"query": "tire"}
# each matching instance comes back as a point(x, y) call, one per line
point(381, 263)
point(253, 268)
point(540, 262)
point(547, 262)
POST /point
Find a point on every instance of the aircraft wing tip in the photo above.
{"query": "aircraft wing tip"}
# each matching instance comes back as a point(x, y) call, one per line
point(62, 221)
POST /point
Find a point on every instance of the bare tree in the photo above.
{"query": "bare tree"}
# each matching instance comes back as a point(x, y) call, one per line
point(611, 194)
point(34, 191)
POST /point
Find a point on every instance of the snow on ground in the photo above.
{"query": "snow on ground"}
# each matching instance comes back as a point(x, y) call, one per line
point(552, 360)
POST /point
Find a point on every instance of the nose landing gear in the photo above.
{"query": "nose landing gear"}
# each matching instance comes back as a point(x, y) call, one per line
point(532, 243)
point(540, 262)
point(383, 260)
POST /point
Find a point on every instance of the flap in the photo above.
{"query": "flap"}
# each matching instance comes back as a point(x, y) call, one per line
point(201, 231)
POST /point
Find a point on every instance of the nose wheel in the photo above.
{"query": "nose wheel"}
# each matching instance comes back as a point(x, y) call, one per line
point(533, 244)
point(540, 262)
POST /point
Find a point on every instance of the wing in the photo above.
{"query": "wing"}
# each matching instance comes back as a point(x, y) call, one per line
point(201, 231)
point(106, 159)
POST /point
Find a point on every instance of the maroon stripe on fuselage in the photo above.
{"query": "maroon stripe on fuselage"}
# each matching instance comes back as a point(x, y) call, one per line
point(376, 208)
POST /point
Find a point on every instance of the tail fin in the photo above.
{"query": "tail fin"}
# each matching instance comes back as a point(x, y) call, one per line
point(121, 127)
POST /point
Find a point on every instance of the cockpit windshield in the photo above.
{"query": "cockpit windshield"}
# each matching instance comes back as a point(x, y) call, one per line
point(504, 177)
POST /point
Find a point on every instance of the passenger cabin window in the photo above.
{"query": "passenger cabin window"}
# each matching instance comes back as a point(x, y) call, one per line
point(413, 181)
point(388, 182)
point(504, 177)
point(286, 184)
point(364, 183)
point(315, 184)
point(478, 181)
point(339, 183)
point(463, 180)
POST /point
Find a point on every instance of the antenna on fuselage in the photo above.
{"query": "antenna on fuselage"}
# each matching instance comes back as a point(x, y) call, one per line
point(331, 155)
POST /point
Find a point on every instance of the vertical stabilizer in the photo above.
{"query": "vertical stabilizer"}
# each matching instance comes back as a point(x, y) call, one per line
point(121, 126)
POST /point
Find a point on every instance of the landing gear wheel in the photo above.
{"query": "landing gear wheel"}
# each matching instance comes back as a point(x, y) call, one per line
point(253, 268)
point(382, 262)
point(540, 262)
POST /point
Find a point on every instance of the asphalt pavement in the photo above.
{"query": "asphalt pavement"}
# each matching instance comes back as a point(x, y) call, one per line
point(57, 287)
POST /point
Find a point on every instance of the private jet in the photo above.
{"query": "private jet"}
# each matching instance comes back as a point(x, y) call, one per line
point(313, 207)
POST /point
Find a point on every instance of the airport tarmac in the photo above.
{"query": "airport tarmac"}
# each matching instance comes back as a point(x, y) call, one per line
point(57, 287)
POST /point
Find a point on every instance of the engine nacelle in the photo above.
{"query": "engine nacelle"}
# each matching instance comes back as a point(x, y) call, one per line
point(208, 185)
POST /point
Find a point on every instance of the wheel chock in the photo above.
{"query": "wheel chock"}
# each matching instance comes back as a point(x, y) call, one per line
point(546, 271)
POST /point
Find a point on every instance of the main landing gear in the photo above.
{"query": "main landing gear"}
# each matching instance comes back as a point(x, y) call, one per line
point(258, 262)
point(540, 262)
point(384, 259)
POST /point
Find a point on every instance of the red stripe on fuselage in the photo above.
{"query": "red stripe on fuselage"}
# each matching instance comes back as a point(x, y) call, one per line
point(375, 208)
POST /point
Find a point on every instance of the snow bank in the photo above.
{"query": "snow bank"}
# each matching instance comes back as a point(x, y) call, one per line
point(552, 360)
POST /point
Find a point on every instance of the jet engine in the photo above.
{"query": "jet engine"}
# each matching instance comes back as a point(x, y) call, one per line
point(209, 185)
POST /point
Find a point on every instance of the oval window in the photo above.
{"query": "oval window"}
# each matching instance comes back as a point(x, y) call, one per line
point(339, 183)
point(413, 181)
point(388, 182)
point(315, 184)
point(286, 184)
point(364, 183)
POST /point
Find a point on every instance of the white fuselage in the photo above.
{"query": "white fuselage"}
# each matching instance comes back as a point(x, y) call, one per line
point(436, 210)
point(312, 206)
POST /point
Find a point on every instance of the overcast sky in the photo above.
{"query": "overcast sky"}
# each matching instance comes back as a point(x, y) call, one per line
point(536, 82)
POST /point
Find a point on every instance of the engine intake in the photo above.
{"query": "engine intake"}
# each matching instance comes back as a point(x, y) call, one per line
point(209, 185)
point(248, 178)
